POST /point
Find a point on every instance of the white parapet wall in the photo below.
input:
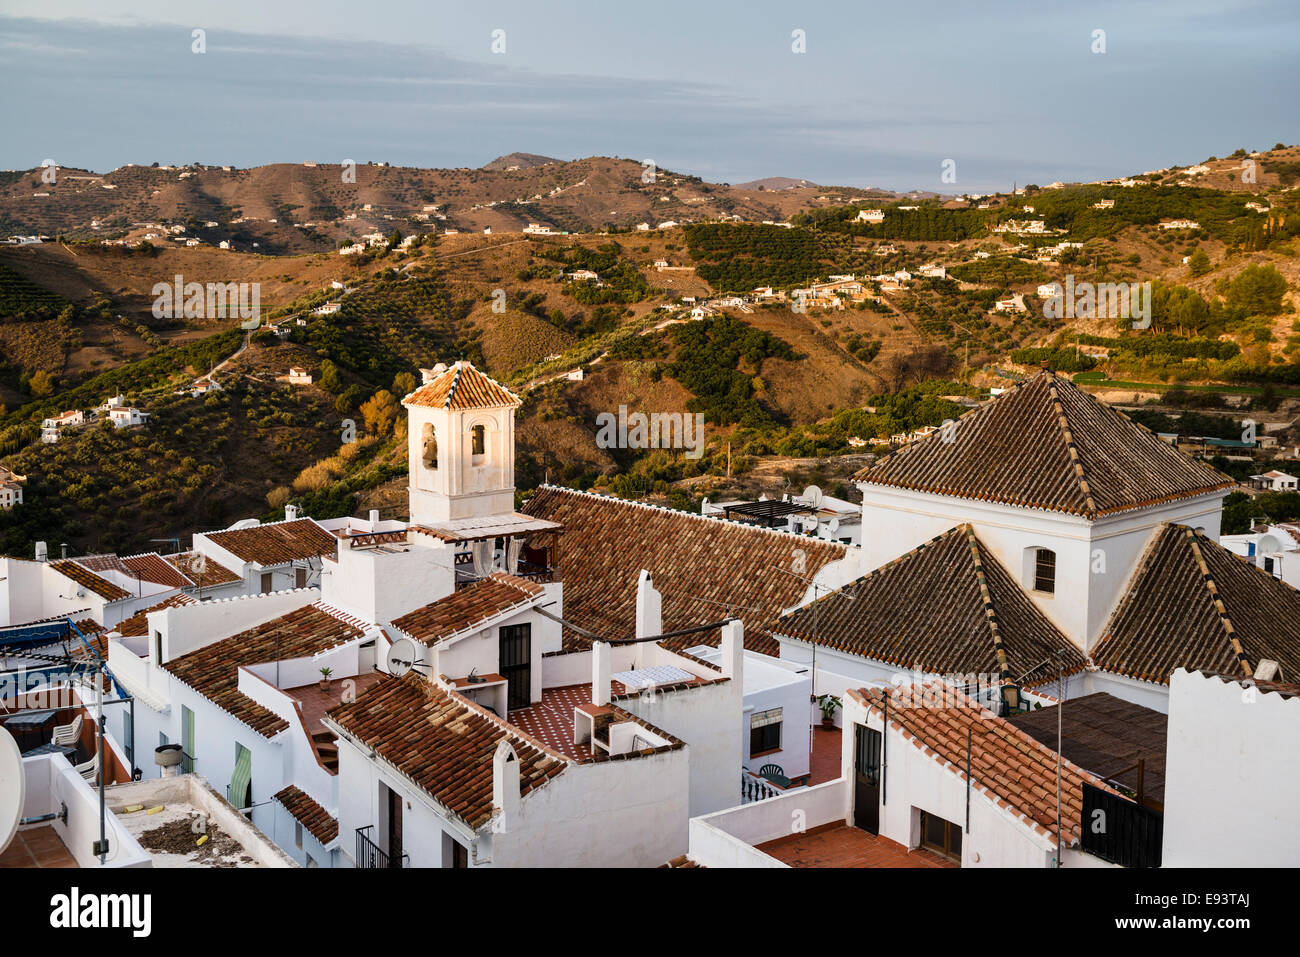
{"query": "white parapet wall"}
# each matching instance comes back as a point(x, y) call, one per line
point(729, 838)
point(52, 785)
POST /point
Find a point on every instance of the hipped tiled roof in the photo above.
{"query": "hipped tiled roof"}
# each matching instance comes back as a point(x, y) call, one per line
point(701, 566)
point(276, 543)
point(462, 387)
point(1193, 604)
point(1015, 771)
point(1046, 444)
point(320, 823)
point(946, 607)
point(442, 743)
point(466, 607)
point(89, 580)
point(203, 571)
point(213, 670)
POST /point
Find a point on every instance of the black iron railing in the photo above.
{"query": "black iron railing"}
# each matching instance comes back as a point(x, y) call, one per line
point(370, 855)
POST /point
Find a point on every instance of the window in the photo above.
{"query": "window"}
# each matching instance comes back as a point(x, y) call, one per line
point(297, 834)
point(1045, 571)
point(300, 578)
point(478, 439)
point(429, 450)
point(266, 582)
point(942, 837)
point(241, 781)
point(157, 648)
point(459, 855)
point(765, 732)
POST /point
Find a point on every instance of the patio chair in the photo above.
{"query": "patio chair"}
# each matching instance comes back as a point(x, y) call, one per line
point(774, 773)
point(68, 734)
point(90, 769)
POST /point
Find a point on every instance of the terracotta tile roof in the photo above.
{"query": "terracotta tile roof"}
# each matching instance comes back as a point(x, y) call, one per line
point(1106, 735)
point(1047, 444)
point(138, 624)
point(202, 571)
point(442, 742)
point(698, 564)
point(213, 670)
point(276, 543)
point(148, 566)
point(946, 607)
point(1193, 604)
point(1007, 765)
point(320, 823)
point(466, 607)
point(462, 387)
point(89, 580)
point(152, 567)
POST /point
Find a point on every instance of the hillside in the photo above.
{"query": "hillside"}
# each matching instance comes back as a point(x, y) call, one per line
point(676, 320)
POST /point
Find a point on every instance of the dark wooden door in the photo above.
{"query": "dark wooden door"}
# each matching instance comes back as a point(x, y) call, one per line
point(866, 779)
point(394, 828)
point(516, 657)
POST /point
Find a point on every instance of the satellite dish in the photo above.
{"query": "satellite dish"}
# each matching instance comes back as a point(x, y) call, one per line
point(13, 792)
point(812, 496)
point(245, 523)
point(834, 525)
point(401, 655)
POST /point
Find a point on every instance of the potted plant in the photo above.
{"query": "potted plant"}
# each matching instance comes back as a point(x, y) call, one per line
point(829, 704)
point(325, 678)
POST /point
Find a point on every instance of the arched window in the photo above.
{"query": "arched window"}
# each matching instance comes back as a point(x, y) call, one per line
point(430, 453)
point(1045, 570)
point(478, 440)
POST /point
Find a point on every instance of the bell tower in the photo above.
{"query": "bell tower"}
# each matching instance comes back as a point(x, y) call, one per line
point(461, 451)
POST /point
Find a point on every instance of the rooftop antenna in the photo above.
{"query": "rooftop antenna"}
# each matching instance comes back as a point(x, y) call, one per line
point(812, 691)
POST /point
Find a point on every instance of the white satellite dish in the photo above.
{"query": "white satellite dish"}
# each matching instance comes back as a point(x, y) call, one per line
point(401, 656)
point(244, 523)
point(812, 496)
point(834, 525)
point(13, 787)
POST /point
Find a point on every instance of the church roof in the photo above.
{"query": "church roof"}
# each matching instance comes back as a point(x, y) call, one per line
point(1193, 604)
point(1049, 445)
point(946, 607)
point(462, 387)
point(704, 567)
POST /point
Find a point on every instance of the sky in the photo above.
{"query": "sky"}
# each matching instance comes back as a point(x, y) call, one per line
point(882, 94)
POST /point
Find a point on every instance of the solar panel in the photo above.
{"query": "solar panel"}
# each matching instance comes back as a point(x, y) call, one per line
point(650, 677)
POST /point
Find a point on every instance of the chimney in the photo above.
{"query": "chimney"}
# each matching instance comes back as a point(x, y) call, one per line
point(600, 689)
point(505, 784)
point(42, 552)
point(290, 513)
point(733, 649)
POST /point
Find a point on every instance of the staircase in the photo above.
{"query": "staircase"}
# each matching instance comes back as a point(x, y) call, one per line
point(327, 750)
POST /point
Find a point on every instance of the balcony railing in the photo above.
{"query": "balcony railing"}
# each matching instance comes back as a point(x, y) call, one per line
point(370, 855)
point(754, 788)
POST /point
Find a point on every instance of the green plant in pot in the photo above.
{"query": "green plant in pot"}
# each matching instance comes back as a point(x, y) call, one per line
point(828, 704)
point(325, 678)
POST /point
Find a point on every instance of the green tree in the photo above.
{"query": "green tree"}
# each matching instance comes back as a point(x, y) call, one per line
point(1199, 263)
point(329, 377)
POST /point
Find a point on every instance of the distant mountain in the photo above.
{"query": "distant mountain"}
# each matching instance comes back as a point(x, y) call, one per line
point(519, 161)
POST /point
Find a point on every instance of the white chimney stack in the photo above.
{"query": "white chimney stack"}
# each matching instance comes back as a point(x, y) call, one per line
point(600, 688)
point(733, 649)
point(42, 551)
point(374, 519)
point(290, 513)
point(505, 784)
